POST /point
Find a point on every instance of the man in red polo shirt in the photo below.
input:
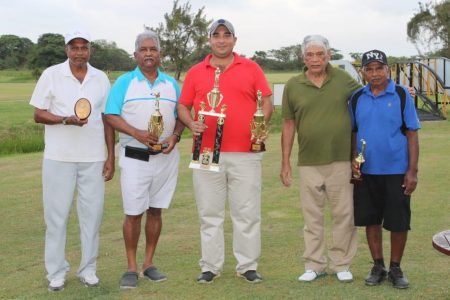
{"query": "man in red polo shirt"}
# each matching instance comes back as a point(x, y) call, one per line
point(239, 177)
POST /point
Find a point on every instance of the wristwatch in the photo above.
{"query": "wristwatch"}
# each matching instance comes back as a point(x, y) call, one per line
point(177, 135)
point(64, 121)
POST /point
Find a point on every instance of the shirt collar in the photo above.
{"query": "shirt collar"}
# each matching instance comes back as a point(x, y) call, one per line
point(237, 60)
point(67, 72)
point(330, 71)
point(390, 89)
point(140, 76)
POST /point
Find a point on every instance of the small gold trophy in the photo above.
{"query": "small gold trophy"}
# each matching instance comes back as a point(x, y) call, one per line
point(156, 126)
point(214, 99)
point(258, 126)
point(357, 178)
point(82, 108)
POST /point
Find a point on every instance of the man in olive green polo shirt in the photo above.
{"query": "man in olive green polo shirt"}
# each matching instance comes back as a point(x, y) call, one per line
point(315, 105)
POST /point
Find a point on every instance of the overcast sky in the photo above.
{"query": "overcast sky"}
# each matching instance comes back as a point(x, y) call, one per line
point(350, 25)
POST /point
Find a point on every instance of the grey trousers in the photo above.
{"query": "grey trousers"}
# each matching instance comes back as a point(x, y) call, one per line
point(239, 180)
point(59, 181)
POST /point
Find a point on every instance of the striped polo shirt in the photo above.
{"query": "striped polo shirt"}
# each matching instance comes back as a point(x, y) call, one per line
point(133, 98)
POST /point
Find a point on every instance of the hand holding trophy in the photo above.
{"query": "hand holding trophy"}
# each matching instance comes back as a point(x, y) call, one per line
point(258, 127)
point(156, 126)
point(357, 177)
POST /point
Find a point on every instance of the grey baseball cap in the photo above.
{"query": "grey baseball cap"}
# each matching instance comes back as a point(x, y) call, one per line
point(219, 22)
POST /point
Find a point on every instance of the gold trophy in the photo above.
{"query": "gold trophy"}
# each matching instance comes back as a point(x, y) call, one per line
point(156, 126)
point(258, 126)
point(214, 99)
point(357, 178)
point(82, 108)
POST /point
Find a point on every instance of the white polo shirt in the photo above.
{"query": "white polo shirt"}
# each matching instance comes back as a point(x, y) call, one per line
point(133, 98)
point(57, 91)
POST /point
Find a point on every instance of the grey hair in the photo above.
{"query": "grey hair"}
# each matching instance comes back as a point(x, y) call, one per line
point(317, 40)
point(148, 34)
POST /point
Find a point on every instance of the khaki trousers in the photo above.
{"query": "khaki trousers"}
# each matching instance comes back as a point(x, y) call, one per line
point(239, 180)
point(317, 184)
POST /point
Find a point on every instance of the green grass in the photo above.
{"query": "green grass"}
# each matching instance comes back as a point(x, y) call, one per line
point(22, 238)
point(19, 133)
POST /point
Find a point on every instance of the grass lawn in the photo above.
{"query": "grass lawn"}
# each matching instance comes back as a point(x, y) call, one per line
point(22, 239)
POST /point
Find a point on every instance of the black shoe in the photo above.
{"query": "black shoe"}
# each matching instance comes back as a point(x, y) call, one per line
point(395, 276)
point(376, 276)
point(251, 276)
point(207, 277)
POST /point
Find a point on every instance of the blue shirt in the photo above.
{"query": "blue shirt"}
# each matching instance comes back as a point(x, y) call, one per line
point(379, 123)
point(133, 98)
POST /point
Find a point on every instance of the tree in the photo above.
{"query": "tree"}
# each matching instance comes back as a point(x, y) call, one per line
point(14, 51)
point(183, 37)
point(48, 51)
point(106, 56)
point(335, 55)
point(431, 25)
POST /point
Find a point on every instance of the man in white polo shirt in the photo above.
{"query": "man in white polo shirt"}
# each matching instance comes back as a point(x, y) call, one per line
point(74, 157)
point(148, 179)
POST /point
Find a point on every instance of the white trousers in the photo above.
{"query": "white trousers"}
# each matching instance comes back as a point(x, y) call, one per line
point(239, 180)
point(59, 180)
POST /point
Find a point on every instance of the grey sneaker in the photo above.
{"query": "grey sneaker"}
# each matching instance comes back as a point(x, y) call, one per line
point(251, 276)
point(90, 280)
point(56, 285)
point(129, 280)
point(397, 278)
point(151, 273)
point(207, 277)
point(376, 276)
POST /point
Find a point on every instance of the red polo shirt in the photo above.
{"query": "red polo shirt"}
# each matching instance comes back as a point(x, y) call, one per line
point(238, 84)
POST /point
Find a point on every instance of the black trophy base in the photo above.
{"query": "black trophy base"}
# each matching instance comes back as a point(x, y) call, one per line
point(356, 180)
point(258, 147)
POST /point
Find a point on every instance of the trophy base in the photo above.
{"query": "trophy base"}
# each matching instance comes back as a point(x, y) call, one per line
point(356, 180)
point(157, 148)
point(261, 147)
point(210, 167)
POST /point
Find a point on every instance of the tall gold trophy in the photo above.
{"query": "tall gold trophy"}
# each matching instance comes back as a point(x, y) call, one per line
point(357, 178)
point(156, 126)
point(258, 126)
point(206, 162)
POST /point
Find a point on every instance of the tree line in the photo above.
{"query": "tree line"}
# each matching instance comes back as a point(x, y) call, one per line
point(21, 53)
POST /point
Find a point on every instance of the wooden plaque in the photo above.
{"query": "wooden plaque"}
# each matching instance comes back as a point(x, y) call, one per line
point(82, 108)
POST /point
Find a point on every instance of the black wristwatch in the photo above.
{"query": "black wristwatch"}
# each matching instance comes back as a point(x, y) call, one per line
point(64, 121)
point(177, 135)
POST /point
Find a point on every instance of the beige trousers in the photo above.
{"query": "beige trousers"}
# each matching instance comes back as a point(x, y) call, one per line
point(239, 180)
point(317, 184)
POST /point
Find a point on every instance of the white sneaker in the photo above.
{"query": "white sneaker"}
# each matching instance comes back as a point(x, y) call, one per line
point(310, 275)
point(56, 285)
point(90, 280)
point(344, 276)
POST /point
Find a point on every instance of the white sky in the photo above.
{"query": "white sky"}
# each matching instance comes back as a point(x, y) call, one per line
point(350, 25)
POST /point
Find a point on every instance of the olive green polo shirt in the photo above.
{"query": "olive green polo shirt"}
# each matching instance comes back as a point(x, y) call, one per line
point(321, 116)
